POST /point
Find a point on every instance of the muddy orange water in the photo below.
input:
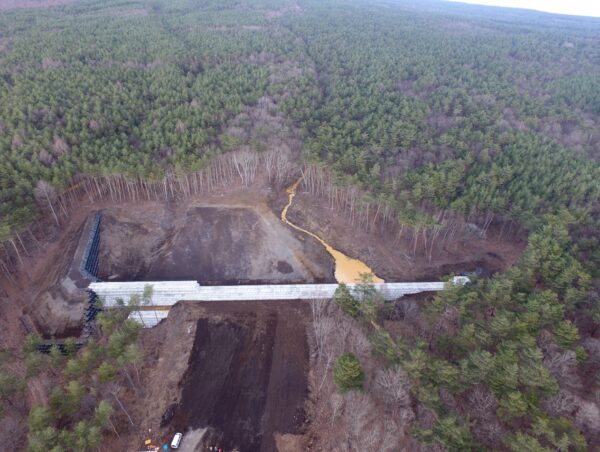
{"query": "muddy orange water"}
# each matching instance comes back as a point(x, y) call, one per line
point(347, 270)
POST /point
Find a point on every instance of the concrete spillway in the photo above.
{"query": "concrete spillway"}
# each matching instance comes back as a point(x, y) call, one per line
point(167, 293)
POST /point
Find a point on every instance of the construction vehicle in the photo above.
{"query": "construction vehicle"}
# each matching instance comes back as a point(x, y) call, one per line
point(150, 446)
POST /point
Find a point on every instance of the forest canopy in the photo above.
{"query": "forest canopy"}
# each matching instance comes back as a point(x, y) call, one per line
point(426, 104)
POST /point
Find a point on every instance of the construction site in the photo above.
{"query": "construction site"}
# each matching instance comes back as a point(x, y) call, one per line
point(249, 346)
point(230, 293)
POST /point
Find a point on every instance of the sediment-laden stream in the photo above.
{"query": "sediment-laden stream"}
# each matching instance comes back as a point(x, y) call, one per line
point(347, 269)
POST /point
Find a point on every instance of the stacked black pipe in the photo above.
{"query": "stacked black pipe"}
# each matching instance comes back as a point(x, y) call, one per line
point(45, 347)
point(91, 257)
point(91, 311)
point(89, 268)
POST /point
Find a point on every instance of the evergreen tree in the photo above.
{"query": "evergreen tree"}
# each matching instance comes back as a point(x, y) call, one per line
point(346, 301)
point(348, 374)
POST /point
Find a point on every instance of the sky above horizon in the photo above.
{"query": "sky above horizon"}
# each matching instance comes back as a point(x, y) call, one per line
point(574, 7)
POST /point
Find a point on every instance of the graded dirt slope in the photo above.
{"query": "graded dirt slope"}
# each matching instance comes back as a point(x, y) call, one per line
point(236, 371)
point(246, 378)
point(395, 260)
point(211, 242)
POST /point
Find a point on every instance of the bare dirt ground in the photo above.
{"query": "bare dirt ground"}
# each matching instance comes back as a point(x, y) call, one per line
point(393, 260)
point(229, 240)
point(244, 378)
point(231, 237)
point(35, 294)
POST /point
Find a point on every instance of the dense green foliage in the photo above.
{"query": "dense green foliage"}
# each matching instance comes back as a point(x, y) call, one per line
point(454, 109)
point(498, 334)
point(79, 411)
point(429, 107)
point(348, 374)
point(497, 351)
point(446, 112)
point(346, 301)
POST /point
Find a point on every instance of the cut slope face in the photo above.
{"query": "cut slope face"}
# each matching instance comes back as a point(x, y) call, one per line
point(226, 244)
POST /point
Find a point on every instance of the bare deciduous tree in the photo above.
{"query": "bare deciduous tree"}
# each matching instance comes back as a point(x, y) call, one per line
point(322, 324)
point(592, 346)
point(45, 157)
point(561, 404)
point(45, 191)
point(394, 385)
point(587, 417)
point(482, 402)
point(336, 402)
point(563, 366)
point(60, 146)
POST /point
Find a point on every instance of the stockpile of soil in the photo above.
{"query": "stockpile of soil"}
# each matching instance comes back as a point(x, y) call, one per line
point(247, 374)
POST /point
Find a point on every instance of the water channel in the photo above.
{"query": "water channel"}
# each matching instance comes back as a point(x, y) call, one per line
point(347, 270)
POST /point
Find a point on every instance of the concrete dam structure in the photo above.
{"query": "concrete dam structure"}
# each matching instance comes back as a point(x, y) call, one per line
point(165, 294)
point(153, 299)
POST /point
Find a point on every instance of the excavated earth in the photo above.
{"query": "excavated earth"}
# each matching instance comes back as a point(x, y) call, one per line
point(236, 371)
point(232, 374)
point(231, 239)
point(395, 260)
point(235, 237)
point(228, 243)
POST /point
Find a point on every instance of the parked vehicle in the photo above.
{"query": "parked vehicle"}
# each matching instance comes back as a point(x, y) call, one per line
point(176, 440)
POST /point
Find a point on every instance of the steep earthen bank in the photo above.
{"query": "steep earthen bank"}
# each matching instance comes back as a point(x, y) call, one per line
point(237, 369)
point(395, 260)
